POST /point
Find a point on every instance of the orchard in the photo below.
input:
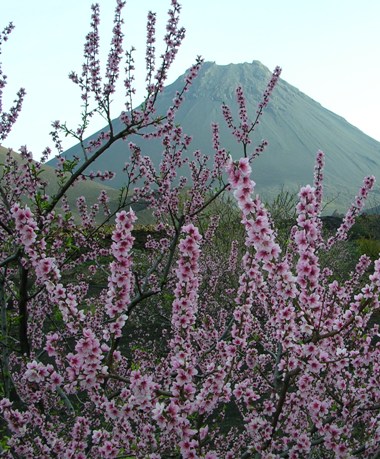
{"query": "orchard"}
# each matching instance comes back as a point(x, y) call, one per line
point(197, 342)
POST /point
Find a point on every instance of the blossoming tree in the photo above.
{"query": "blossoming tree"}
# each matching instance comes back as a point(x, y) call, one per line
point(257, 352)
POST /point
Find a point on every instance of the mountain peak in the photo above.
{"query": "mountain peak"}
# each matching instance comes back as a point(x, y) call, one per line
point(219, 82)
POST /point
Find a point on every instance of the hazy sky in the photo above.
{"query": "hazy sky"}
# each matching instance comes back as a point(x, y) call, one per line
point(329, 49)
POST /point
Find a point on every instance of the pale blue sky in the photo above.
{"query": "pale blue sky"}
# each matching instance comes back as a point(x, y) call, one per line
point(329, 49)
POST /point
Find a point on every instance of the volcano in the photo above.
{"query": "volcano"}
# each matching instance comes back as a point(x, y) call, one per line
point(294, 125)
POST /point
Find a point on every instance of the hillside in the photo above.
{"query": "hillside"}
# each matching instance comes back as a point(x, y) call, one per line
point(89, 189)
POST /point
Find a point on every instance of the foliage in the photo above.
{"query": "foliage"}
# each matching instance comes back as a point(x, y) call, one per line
point(369, 247)
point(208, 339)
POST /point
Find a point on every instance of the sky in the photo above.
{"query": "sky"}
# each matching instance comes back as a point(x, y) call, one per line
point(328, 49)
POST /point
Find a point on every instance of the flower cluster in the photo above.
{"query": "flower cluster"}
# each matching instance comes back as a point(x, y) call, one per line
point(116, 52)
point(269, 89)
point(185, 304)
point(120, 281)
point(255, 217)
point(85, 366)
point(17, 422)
point(353, 211)
point(40, 373)
point(25, 225)
point(46, 269)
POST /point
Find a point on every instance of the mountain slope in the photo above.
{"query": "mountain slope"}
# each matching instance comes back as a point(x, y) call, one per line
point(295, 125)
point(89, 189)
